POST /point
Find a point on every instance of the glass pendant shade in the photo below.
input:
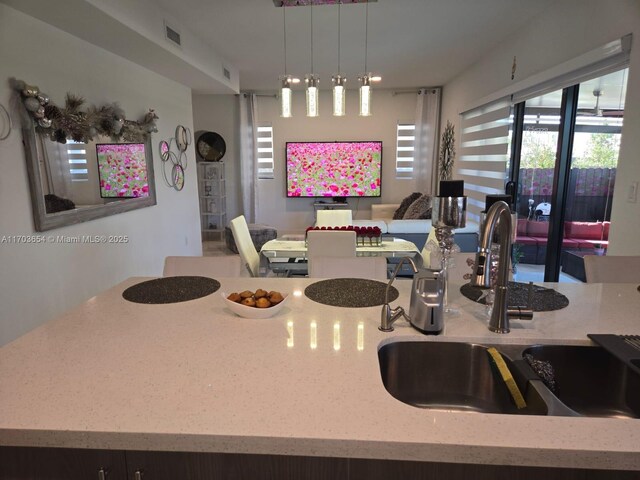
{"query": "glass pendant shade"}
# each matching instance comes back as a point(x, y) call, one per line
point(339, 96)
point(365, 96)
point(312, 95)
point(285, 97)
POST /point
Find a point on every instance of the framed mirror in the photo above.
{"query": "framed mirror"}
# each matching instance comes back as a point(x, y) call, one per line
point(211, 147)
point(75, 182)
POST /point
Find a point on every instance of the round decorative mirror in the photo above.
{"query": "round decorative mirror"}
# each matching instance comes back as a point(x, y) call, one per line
point(164, 150)
point(183, 138)
point(211, 147)
point(177, 176)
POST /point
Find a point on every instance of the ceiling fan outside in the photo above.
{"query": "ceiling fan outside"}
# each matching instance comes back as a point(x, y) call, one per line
point(596, 111)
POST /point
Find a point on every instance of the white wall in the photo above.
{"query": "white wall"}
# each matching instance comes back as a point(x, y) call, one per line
point(295, 214)
point(38, 282)
point(564, 31)
point(220, 114)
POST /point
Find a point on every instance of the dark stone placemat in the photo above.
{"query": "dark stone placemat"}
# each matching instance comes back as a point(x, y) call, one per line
point(171, 290)
point(349, 292)
point(544, 299)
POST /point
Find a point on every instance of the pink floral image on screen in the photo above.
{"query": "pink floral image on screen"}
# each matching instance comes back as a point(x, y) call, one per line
point(123, 170)
point(336, 169)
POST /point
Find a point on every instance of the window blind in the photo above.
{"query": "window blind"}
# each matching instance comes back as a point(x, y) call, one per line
point(483, 159)
point(405, 150)
point(265, 152)
point(77, 158)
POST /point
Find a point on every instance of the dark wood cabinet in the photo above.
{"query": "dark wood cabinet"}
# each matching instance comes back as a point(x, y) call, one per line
point(22, 463)
point(228, 466)
point(387, 469)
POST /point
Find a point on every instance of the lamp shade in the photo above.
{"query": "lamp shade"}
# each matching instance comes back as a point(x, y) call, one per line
point(365, 96)
point(339, 95)
point(285, 97)
point(312, 82)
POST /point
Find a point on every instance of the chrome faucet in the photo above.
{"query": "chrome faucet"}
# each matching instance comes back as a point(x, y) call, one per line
point(390, 315)
point(499, 214)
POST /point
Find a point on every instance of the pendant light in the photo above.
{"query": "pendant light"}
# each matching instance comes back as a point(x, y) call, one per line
point(365, 78)
point(312, 80)
point(339, 80)
point(286, 80)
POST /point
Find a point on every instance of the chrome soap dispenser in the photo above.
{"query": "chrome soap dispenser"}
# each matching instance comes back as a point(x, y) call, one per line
point(426, 308)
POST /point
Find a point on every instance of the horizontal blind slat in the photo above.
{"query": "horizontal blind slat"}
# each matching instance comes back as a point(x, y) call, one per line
point(492, 131)
point(484, 144)
point(498, 149)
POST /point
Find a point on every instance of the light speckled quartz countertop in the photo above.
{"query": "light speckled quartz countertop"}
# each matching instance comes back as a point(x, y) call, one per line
point(192, 376)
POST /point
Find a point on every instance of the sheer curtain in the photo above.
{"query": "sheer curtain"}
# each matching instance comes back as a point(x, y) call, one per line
point(426, 152)
point(248, 170)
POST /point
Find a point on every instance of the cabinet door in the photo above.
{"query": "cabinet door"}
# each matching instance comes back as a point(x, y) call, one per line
point(22, 463)
point(211, 466)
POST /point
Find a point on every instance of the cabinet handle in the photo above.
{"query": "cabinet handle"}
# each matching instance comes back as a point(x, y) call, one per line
point(138, 474)
point(102, 473)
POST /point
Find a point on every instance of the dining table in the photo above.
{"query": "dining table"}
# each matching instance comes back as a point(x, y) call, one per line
point(289, 256)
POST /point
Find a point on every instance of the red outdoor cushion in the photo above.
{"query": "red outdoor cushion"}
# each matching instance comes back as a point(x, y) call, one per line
point(541, 241)
point(570, 243)
point(538, 229)
point(606, 226)
point(585, 230)
point(521, 228)
point(522, 240)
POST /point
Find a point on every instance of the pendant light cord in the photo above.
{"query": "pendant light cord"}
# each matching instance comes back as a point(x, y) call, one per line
point(284, 21)
point(312, 39)
point(366, 36)
point(339, 38)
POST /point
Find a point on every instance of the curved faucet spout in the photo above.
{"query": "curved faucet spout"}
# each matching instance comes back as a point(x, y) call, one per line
point(500, 215)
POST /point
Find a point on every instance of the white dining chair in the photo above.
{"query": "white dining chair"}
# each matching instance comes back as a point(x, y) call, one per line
point(334, 218)
point(246, 248)
point(374, 268)
point(222, 266)
point(612, 269)
point(330, 243)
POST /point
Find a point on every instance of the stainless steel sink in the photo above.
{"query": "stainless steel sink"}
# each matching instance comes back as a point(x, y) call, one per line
point(459, 377)
point(591, 381)
point(451, 376)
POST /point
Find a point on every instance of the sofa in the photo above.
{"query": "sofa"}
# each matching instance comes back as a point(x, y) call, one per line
point(532, 236)
point(415, 231)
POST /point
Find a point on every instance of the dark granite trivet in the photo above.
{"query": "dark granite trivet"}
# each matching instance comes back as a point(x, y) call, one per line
point(349, 292)
point(171, 290)
point(544, 299)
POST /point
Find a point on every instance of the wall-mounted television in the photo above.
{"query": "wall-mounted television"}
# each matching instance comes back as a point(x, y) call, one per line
point(334, 169)
point(122, 170)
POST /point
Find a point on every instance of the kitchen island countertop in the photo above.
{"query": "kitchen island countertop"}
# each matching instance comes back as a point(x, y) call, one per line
point(192, 376)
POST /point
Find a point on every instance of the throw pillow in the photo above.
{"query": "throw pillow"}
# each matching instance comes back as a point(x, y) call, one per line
point(405, 204)
point(420, 209)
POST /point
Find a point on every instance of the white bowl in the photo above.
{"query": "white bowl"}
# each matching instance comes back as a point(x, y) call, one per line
point(253, 312)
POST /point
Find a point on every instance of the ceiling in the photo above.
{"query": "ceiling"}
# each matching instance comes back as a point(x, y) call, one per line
point(411, 43)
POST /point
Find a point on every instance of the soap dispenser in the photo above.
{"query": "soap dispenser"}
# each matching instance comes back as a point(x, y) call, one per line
point(426, 309)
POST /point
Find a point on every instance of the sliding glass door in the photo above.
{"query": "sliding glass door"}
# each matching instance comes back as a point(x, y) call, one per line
point(564, 158)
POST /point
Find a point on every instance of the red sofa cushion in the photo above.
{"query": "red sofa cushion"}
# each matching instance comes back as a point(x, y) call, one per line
point(584, 230)
point(521, 228)
point(522, 240)
point(605, 228)
point(570, 243)
point(537, 229)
